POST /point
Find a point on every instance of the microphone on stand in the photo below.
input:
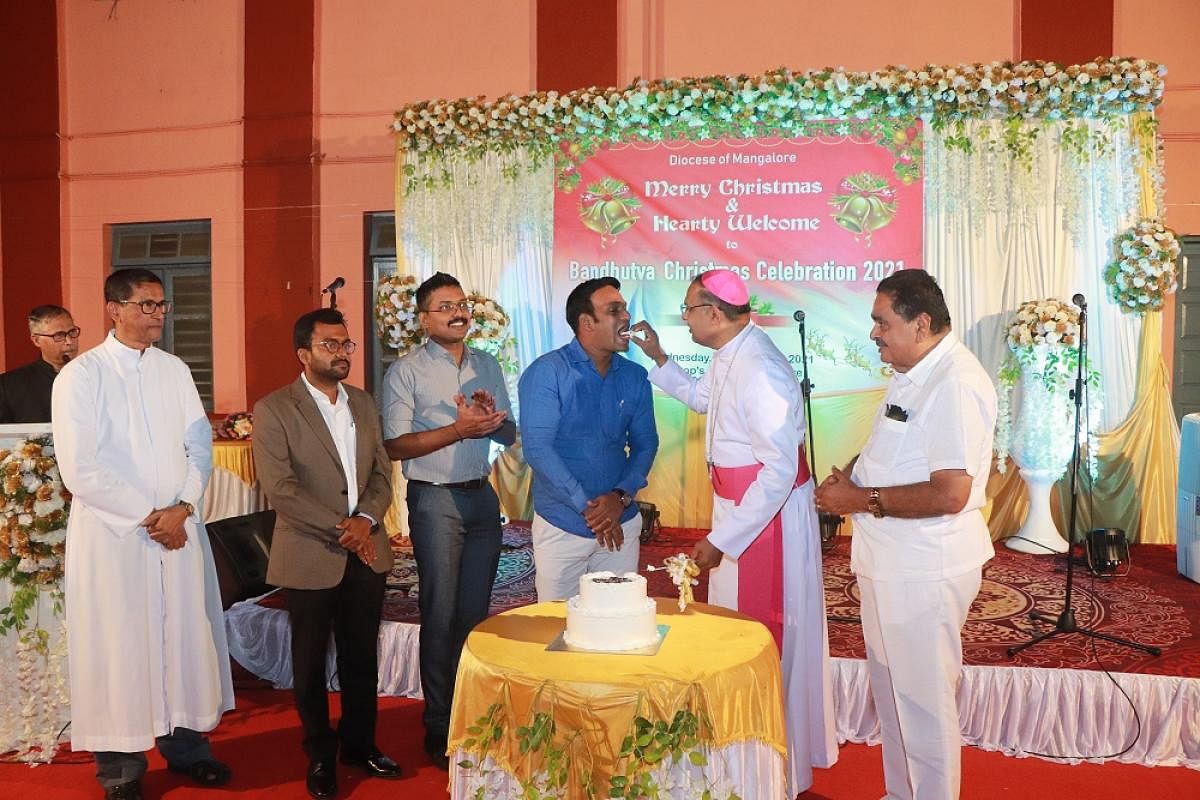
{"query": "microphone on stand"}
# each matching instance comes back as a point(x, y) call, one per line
point(1079, 300)
point(799, 317)
point(332, 288)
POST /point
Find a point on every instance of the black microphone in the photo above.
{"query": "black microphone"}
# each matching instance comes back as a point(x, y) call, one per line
point(1079, 300)
point(798, 316)
point(338, 283)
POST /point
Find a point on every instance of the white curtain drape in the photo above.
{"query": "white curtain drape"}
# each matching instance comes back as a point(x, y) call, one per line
point(999, 231)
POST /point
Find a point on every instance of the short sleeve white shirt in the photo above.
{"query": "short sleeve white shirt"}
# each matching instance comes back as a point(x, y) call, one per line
point(949, 407)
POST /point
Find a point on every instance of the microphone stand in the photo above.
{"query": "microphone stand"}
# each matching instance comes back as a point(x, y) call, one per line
point(332, 289)
point(1065, 622)
point(828, 522)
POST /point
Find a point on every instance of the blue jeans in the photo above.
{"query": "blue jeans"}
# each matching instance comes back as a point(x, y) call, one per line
point(456, 543)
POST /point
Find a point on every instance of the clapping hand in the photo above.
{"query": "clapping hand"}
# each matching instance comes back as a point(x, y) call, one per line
point(478, 418)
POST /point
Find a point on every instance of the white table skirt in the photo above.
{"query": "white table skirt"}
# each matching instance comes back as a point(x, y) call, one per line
point(229, 496)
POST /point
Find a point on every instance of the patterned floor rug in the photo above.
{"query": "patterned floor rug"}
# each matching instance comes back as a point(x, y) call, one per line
point(1153, 605)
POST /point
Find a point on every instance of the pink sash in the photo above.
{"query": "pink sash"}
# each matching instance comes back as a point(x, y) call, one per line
point(760, 567)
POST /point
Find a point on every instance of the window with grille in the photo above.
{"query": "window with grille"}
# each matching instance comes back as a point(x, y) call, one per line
point(180, 253)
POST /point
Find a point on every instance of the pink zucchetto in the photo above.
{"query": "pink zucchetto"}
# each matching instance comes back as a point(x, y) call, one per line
point(726, 285)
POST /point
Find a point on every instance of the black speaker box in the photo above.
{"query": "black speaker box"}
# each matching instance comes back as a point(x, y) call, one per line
point(241, 547)
point(1107, 552)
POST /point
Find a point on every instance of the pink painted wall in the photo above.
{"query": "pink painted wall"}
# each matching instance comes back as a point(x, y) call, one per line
point(666, 38)
point(152, 105)
point(152, 110)
point(373, 58)
point(1165, 31)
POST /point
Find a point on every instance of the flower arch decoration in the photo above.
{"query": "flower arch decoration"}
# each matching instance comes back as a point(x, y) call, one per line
point(1144, 271)
point(400, 330)
point(1043, 340)
point(33, 535)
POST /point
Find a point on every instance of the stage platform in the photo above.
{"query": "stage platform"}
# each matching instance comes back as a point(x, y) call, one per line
point(1053, 699)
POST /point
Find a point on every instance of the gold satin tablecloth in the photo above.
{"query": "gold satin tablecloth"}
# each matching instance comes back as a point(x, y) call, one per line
point(233, 488)
point(716, 663)
point(235, 455)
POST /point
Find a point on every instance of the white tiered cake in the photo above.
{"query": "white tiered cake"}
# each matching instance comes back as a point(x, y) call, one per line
point(611, 613)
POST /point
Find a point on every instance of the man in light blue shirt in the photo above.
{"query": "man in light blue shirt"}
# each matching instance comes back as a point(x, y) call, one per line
point(587, 429)
point(443, 405)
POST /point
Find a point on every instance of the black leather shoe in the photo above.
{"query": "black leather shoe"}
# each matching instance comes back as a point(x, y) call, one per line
point(322, 779)
point(376, 765)
point(130, 790)
point(436, 750)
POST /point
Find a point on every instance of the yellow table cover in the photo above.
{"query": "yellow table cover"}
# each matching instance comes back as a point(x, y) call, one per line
point(714, 662)
point(235, 455)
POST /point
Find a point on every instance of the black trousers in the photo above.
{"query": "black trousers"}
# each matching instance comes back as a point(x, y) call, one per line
point(351, 611)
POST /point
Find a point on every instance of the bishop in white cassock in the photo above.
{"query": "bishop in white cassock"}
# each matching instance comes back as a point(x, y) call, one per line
point(763, 510)
point(146, 632)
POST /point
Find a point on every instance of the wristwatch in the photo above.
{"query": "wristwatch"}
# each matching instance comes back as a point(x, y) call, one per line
point(623, 496)
point(873, 504)
point(191, 509)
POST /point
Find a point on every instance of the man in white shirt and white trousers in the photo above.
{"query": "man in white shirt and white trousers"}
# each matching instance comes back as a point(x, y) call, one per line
point(763, 519)
point(920, 541)
point(145, 629)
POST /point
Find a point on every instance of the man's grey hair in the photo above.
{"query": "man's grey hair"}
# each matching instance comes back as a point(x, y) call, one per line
point(45, 313)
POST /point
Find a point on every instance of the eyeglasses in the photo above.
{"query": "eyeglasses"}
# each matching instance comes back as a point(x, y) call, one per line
point(333, 346)
point(61, 336)
point(149, 306)
point(684, 308)
point(446, 308)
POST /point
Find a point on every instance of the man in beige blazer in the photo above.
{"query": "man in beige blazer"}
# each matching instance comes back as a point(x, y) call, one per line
point(320, 459)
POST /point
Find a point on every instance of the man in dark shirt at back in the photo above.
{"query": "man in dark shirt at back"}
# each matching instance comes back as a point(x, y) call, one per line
point(25, 391)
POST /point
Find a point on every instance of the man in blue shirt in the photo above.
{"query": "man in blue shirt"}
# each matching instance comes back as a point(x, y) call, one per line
point(587, 427)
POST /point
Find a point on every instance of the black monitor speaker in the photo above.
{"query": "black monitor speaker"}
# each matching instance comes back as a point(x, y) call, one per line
point(241, 547)
point(1107, 552)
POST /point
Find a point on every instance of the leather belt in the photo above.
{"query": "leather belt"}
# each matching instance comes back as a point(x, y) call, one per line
point(477, 483)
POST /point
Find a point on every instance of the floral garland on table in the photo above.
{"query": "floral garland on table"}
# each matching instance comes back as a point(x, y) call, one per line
point(34, 506)
point(238, 426)
point(400, 330)
point(569, 127)
point(1144, 271)
point(1043, 337)
point(558, 761)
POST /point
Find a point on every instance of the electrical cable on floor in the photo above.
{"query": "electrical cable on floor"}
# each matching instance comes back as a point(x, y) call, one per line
point(1137, 718)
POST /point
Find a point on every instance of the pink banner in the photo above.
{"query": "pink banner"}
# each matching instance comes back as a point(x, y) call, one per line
point(810, 223)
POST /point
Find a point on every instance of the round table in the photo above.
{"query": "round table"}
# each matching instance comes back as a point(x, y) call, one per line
point(233, 488)
point(715, 668)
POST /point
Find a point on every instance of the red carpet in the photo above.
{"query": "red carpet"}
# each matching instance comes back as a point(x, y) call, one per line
point(261, 742)
point(261, 739)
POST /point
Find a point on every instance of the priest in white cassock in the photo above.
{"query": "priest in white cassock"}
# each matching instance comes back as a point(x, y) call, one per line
point(146, 635)
point(764, 525)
